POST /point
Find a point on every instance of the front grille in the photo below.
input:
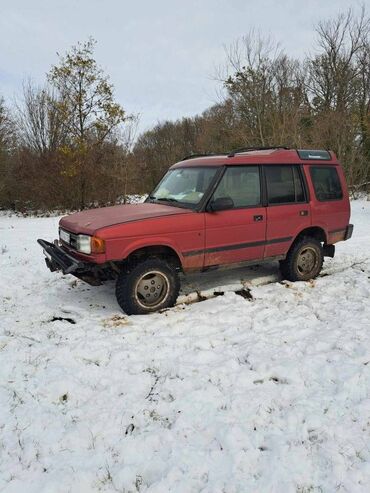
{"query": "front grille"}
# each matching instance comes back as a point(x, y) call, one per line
point(73, 240)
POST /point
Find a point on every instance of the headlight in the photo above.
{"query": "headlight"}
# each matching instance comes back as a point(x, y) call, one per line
point(83, 243)
point(90, 244)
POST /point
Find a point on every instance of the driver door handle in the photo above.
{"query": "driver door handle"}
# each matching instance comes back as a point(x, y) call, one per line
point(258, 218)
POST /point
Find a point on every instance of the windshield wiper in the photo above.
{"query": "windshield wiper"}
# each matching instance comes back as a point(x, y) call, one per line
point(164, 199)
point(169, 201)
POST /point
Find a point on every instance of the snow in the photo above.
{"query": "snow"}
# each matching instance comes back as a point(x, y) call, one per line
point(225, 395)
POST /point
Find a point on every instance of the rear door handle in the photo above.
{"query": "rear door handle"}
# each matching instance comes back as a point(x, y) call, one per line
point(258, 218)
point(303, 213)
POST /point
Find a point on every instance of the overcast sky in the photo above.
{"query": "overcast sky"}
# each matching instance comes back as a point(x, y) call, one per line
point(161, 55)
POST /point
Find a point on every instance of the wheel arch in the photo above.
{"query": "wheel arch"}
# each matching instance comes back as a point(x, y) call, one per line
point(313, 231)
point(162, 251)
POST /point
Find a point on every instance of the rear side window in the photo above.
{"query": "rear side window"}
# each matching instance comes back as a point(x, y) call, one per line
point(284, 184)
point(326, 183)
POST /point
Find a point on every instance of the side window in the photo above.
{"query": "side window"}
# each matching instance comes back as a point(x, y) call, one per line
point(241, 184)
point(284, 184)
point(326, 183)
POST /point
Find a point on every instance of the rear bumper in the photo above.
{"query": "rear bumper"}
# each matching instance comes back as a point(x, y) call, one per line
point(341, 234)
point(57, 259)
point(349, 231)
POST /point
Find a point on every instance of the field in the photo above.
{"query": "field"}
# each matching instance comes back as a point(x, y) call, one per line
point(264, 392)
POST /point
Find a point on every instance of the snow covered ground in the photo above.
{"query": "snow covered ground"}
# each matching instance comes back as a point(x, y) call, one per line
point(270, 394)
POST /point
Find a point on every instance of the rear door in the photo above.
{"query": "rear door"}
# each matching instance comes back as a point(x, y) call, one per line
point(237, 234)
point(288, 208)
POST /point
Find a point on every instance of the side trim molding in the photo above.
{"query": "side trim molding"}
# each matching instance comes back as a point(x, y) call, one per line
point(237, 246)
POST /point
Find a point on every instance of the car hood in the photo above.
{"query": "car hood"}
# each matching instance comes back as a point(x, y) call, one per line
point(89, 221)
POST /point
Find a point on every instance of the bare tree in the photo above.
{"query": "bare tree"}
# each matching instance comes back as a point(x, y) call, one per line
point(333, 74)
point(7, 130)
point(42, 127)
point(338, 87)
point(120, 171)
point(8, 142)
point(267, 90)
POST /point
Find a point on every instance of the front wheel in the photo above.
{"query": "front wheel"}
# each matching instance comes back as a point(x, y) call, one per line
point(304, 260)
point(150, 286)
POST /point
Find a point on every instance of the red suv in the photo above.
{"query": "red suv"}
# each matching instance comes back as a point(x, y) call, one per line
point(209, 211)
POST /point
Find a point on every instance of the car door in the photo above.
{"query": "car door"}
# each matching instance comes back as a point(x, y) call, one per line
point(288, 209)
point(237, 234)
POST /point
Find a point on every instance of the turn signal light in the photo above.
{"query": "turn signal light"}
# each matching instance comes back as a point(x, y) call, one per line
point(97, 245)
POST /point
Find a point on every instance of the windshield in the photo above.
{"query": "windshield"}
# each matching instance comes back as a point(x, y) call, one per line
point(184, 186)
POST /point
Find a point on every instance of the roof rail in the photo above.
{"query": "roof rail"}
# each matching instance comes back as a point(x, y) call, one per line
point(247, 149)
point(193, 156)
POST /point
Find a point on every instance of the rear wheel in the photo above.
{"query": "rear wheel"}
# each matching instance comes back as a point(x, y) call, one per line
point(304, 260)
point(149, 286)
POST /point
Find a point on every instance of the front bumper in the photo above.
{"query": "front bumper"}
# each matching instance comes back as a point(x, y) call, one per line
point(58, 259)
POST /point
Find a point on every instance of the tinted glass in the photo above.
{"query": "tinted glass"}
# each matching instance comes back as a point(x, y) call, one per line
point(326, 183)
point(284, 184)
point(241, 184)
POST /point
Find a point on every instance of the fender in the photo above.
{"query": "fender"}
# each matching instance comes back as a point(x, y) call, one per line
point(313, 231)
point(136, 244)
point(121, 247)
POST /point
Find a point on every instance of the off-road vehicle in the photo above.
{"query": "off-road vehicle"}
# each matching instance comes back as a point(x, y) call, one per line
point(248, 206)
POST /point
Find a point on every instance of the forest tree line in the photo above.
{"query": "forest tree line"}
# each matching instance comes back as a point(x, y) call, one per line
point(70, 145)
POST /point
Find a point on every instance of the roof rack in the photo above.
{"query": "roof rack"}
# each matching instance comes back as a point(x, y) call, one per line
point(247, 149)
point(193, 156)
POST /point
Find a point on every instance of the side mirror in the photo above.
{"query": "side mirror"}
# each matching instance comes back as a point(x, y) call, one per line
point(221, 204)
